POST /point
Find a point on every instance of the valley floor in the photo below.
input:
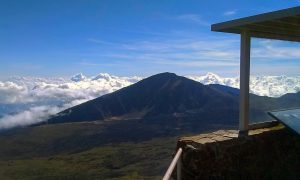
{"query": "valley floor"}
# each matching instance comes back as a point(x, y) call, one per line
point(143, 160)
point(128, 149)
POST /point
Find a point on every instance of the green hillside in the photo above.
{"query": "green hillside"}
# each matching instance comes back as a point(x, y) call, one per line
point(64, 152)
point(148, 159)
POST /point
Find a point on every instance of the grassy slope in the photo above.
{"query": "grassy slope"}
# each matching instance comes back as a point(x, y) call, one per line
point(131, 149)
point(147, 159)
point(73, 151)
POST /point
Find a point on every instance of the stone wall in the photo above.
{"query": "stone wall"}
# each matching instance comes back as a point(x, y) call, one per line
point(271, 153)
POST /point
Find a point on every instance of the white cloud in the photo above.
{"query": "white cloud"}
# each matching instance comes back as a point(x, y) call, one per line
point(43, 97)
point(180, 51)
point(199, 63)
point(209, 52)
point(193, 18)
point(106, 43)
point(230, 13)
point(274, 49)
point(273, 86)
point(201, 49)
point(34, 115)
point(11, 92)
point(28, 117)
point(27, 90)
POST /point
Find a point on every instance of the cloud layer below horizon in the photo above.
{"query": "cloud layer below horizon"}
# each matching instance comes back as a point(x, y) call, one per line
point(29, 100)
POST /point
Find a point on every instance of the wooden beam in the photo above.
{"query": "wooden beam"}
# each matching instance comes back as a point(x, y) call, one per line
point(292, 20)
point(279, 25)
point(288, 31)
point(274, 27)
point(275, 15)
point(275, 36)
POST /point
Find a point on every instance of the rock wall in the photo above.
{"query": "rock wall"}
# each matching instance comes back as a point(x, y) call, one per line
point(272, 153)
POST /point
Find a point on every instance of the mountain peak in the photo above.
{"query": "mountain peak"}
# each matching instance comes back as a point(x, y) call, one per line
point(160, 94)
point(165, 74)
point(160, 80)
point(78, 77)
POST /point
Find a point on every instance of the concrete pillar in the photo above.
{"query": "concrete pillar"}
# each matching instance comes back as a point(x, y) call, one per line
point(244, 82)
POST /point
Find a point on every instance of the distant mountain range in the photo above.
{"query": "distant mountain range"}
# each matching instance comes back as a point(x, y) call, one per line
point(169, 95)
point(22, 97)
point(161, 94)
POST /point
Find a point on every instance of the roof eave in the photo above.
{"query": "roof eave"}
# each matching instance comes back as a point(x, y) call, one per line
point(221, 27)
point(259, 25)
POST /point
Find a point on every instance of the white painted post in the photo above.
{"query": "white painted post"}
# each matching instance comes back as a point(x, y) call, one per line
point(174, 162)
point(244, 81)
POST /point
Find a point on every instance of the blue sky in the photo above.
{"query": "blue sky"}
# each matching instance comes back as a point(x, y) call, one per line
point(134, 37)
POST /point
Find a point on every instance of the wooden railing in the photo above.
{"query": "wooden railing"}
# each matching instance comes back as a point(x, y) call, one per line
point(176, 161)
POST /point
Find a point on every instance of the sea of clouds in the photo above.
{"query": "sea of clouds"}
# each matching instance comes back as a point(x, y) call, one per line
point(29, 100)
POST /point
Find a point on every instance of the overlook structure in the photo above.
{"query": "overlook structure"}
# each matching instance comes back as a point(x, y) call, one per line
point(279, 25)
point(262, 153)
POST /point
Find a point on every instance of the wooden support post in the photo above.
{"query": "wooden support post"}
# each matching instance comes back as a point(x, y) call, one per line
point(179, 168)
point(244, 82)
